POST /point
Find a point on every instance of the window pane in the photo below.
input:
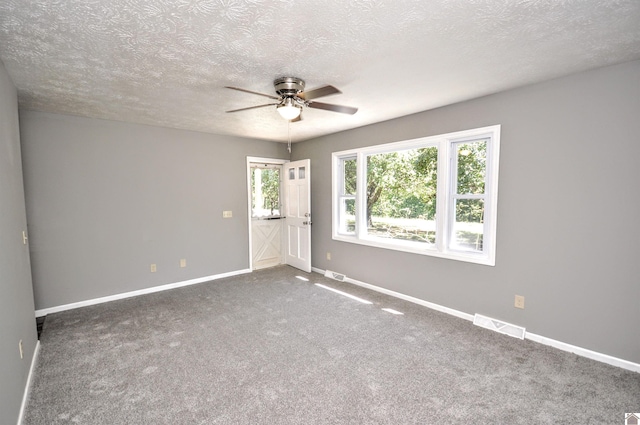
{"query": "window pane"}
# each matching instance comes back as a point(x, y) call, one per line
point(301, 173)
point(292, 173)
point(347, 215)
point(349, 176)
point(265, 189)
point(468, 226)
point(401, 194)
point(472, 167)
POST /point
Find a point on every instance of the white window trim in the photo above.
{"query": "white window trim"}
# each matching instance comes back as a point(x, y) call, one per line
point(446, 184)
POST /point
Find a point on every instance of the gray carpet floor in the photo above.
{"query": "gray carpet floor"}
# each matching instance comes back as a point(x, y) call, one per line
point(270, 348)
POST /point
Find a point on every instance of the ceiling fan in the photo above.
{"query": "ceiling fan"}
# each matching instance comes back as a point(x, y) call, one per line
point(292, 98)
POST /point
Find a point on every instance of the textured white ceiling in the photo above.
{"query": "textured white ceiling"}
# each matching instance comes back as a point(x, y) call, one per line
point(166, 62)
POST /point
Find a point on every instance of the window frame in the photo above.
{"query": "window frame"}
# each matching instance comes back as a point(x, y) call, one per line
point(342, 195)
point(445, 196)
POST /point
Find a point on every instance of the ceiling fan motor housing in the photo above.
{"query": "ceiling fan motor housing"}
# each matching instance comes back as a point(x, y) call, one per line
point(289, 86)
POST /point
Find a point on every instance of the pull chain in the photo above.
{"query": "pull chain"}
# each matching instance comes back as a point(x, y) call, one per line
point(289, 135)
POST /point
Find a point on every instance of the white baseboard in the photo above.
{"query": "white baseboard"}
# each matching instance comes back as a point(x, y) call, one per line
point(593, 355)
point(409, 298)
point(414, 300)
point(27, 387)
point(45, 311)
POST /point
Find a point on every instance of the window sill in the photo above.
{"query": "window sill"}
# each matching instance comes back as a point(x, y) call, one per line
point(413, 248)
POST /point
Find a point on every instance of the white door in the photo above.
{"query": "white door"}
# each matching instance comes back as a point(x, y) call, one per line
point(297, 189)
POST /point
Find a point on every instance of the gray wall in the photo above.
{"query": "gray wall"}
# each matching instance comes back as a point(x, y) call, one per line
point(106, 199)
point(568, 228)
point(17, 319)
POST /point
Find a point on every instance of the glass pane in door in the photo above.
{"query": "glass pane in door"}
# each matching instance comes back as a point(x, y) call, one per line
point(265, 192)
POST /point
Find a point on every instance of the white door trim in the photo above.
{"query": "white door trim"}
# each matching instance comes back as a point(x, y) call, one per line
point(256, 160)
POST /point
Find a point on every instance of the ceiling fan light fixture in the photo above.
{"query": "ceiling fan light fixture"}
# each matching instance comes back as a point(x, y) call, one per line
point(289, 109)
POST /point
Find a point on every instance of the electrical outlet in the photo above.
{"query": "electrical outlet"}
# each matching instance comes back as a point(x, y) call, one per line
point(519, 301)
point(183, 262)
point(21, 350)
point(227, 214)
point(154, 268)
point(328, 256)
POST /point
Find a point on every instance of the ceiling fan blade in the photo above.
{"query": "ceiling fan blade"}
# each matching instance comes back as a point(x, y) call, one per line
point(298, 118)
point(254, 107)
point(319, 92)
point(335, 108)
point(253, 92)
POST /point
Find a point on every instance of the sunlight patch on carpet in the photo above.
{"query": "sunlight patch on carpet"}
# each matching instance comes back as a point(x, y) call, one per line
point(392, 311)
point(353, 297)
